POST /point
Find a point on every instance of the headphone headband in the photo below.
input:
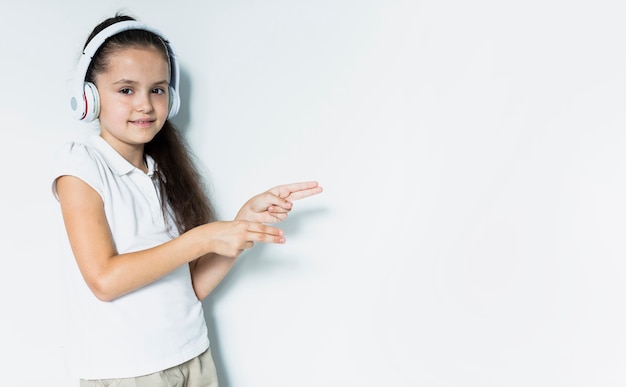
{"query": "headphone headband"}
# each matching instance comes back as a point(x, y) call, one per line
point(85, 102)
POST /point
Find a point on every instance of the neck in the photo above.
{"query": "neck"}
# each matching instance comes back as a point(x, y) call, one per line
point(133, 153)
point(137, 159)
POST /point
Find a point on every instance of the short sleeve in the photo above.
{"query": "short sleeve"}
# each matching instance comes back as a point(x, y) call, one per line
point(78, 160)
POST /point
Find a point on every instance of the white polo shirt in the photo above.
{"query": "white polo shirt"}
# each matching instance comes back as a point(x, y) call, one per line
point(153, 328)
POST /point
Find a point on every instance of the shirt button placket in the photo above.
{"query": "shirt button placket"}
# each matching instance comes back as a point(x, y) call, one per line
point(150, 191)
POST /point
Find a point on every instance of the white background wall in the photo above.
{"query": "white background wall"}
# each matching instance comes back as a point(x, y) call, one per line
point(472, 228)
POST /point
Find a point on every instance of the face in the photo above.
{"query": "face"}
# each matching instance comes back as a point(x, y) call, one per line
point(133, 97)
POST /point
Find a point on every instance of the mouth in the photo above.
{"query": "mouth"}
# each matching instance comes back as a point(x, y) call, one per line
point(142, 123)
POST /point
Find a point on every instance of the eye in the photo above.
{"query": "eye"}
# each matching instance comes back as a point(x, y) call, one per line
point(126, 91)
point(158, 90)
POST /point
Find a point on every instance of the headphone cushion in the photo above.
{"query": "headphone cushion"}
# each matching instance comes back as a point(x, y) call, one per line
point(92, 102)
point(174, 102)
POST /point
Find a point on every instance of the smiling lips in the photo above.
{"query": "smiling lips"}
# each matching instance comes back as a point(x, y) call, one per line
point(142, 123)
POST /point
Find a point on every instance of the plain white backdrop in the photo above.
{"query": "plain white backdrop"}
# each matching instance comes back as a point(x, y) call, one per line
point(472, 228)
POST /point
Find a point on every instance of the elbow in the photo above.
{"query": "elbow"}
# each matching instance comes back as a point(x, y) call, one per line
point(103, 290)
point(200, 295)
point(104, 297)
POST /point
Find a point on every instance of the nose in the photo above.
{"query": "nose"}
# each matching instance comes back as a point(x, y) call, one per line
point(143, 102)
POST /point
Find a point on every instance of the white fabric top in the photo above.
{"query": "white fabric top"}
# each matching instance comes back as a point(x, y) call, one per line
point(153, 328)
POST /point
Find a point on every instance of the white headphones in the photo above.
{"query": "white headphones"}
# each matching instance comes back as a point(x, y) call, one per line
point(85, 101)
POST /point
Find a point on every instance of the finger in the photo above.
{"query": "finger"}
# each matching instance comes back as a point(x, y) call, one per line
point(280, 216)
point(287, 189)
point(267, 238)
point(261, 228)
point(304, 193)
point(269, 199)
point(269, 234)
point(279, 210)
point(279, 203)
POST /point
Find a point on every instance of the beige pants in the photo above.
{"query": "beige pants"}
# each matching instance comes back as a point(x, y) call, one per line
point(197, 372)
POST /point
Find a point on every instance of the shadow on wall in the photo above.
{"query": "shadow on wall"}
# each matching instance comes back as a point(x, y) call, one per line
point(182, 120)
point(216, 353)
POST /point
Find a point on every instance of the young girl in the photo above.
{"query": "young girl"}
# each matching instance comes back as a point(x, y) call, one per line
point(146, 246)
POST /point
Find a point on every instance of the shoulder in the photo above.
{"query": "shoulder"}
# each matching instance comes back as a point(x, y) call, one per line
point(81, 157)
point(80, 160)
point(73, 152)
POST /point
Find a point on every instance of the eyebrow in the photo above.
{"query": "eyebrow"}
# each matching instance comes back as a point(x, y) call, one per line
point(131, 82)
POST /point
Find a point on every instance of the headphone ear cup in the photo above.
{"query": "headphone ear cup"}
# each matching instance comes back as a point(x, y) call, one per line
point(92, 102)
point(174, 102)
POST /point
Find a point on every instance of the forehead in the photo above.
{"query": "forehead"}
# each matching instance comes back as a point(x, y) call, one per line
point(137, 61)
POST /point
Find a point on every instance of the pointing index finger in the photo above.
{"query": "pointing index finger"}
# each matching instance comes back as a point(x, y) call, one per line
point(297, 191)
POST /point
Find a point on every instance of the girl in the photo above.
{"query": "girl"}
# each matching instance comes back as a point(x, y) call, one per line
point(146, 246)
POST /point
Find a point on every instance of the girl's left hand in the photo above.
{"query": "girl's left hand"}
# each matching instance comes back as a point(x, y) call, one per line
point(274, 205)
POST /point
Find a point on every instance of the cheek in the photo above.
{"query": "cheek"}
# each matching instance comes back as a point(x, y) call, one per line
point(164, 107)
point(111, 102)
point(109, 108)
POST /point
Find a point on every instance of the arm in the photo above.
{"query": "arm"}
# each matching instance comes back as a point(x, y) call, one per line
point(208, 271)
point(110, 275)
point(271, 206)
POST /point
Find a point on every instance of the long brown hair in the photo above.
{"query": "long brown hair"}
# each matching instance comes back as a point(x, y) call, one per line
point(180, 183)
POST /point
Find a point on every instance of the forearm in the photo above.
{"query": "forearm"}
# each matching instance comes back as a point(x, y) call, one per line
point(124, 273)
point(208, 271)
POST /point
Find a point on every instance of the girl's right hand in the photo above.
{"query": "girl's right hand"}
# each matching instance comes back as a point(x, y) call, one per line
point(231, 238)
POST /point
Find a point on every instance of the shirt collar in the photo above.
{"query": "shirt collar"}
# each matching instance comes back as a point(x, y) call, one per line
point(118, 164)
